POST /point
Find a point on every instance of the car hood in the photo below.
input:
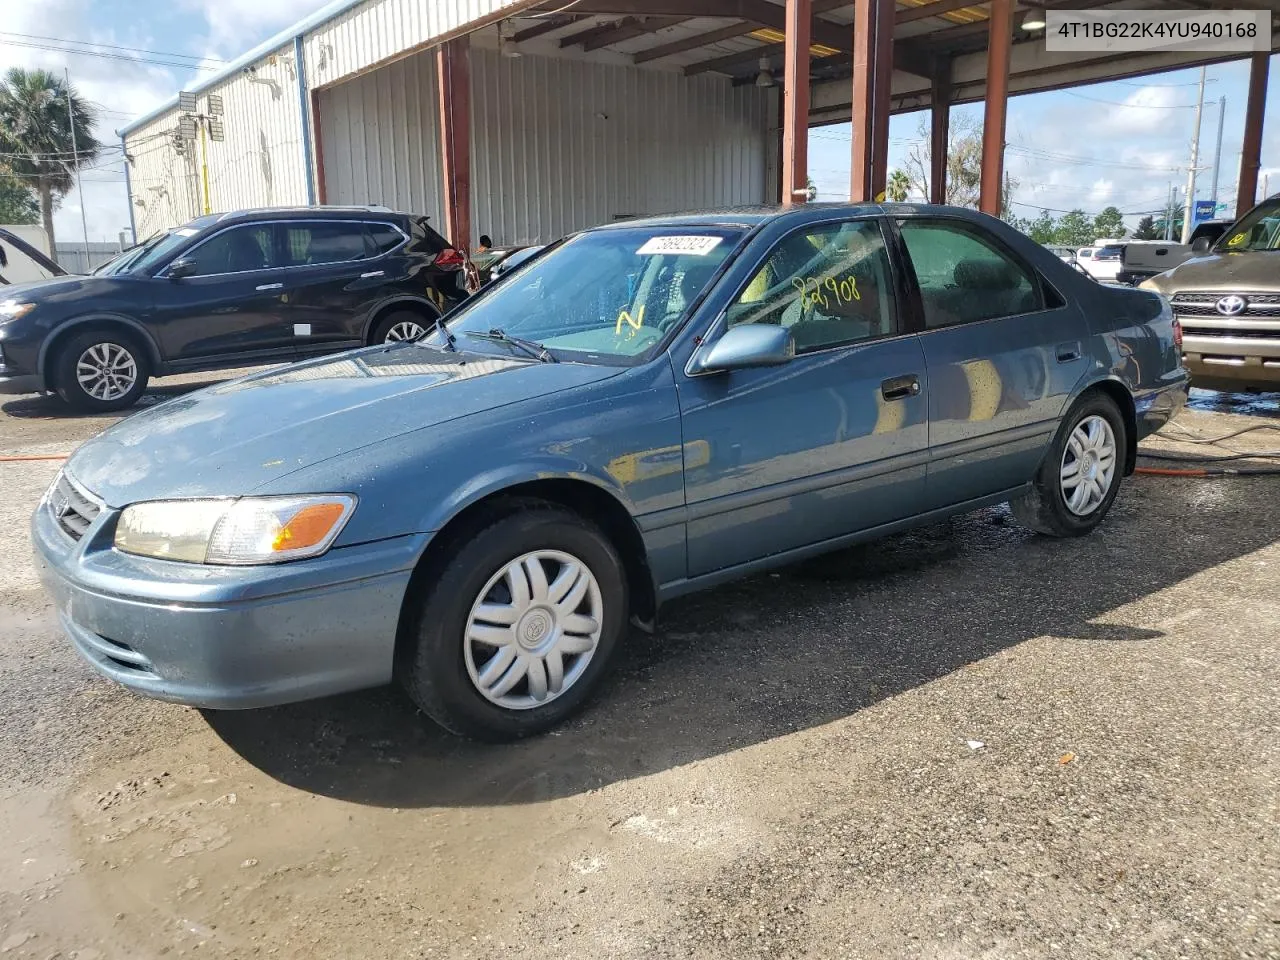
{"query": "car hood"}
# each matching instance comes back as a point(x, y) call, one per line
point(38, 291)
point(1222, 273)
point(229, 439)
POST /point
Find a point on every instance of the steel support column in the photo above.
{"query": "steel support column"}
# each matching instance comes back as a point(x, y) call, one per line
point(939, 138)
point(795, 103)
point(455, 138)
point(1251, 148)
point(999, 47)
point(872, 83)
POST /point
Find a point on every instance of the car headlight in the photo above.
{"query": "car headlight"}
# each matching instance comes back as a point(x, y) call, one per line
point(247, 531)
point(13, 309)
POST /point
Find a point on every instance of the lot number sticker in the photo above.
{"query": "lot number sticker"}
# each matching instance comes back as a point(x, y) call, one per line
point(690, 246)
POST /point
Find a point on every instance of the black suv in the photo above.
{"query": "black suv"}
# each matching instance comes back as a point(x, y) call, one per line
point(226, 290)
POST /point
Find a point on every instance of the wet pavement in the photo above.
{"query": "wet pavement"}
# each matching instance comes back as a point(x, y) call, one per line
point(968, 741)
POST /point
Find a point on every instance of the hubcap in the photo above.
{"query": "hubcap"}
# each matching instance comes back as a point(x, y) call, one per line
point(106, 371)
point(405, 330)
point(1088, 465)
point(533, 629)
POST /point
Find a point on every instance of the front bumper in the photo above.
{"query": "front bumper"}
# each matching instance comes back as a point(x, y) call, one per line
point(227, 637)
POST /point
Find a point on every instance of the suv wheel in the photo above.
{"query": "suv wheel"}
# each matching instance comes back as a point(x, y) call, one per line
point(1080, 476)
point(401, 325)
point(517, 629)
point(101, 370)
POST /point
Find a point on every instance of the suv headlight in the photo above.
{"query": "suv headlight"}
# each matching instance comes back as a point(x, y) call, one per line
point(247, 531)
point(13, 309)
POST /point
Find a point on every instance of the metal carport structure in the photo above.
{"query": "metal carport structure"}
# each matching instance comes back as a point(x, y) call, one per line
point(612, 107)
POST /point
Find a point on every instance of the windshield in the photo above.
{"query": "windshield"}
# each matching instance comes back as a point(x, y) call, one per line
point(604, 296)
point(154, 251)
point(1259, 229)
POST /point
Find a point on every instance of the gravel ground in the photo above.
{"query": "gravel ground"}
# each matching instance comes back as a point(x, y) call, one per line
point(966, 742)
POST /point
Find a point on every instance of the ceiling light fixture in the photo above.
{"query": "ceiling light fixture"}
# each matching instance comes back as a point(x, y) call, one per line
point(765, 77)
point(1034, 20)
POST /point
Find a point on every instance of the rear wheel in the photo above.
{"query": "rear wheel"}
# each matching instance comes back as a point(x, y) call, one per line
point(101, 370)
point(401, 325)
point(516, 631)
point(1080, 476)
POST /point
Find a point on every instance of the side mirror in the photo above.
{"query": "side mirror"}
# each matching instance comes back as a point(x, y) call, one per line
point(748, 345)
point(1200, 245)
point(182, 267)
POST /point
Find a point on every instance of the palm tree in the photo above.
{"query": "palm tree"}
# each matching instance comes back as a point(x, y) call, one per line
point(899, 186)
point(35, 135)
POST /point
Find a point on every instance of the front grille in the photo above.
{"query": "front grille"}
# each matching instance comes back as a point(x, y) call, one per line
point(1205, 304)
point(1235, 334)
point(73, 508)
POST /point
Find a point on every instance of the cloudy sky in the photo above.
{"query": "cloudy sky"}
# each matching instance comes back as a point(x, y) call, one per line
point(1118, 144)
point(1112, 144)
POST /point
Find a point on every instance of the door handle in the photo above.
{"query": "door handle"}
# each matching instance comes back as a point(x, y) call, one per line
point(372, 273)
point(899, 388)
point(270, 286)
point(1068, 352)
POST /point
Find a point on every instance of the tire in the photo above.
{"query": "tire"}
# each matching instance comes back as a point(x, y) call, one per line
point(112, 350)
point(399, 325)
point(1047, 508)
point(444, 665)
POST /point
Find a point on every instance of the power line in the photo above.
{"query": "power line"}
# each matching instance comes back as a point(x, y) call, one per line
point(1121, 103)
point(110, 46)
point(108, 56)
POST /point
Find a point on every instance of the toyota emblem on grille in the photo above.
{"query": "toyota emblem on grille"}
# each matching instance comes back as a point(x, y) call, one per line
point(1232, 305)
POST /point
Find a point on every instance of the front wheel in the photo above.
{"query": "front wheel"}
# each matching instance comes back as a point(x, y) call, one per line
point(100, 370)
point(1080, 476)
point(516, 631)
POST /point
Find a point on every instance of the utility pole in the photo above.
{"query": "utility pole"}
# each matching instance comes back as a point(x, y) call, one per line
point(1190, 200)
point(75, 151)
point(1217, 153)
point(1168, 216)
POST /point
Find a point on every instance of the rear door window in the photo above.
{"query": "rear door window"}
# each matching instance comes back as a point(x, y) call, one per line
point(383, 238)
point(965, 275)
point(309, 244)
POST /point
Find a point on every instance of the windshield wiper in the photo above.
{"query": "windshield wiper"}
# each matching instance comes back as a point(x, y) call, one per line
point(531, 347)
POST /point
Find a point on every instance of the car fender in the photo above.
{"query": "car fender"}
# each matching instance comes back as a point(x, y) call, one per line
point(498, 479)
point(398, 300)
point(59, 331)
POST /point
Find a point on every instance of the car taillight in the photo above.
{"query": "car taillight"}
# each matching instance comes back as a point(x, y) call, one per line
point(448, 257)
point(1177, 334)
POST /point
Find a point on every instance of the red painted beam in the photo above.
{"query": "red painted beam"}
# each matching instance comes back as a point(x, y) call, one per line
point(795, 103)
point(999, 48)
point(455, 138)
point(1251, 147)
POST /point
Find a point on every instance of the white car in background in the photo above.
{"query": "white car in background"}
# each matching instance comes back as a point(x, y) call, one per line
point(1102, 262)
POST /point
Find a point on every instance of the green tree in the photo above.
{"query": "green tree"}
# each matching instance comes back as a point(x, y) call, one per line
point(17, 203)
point(1146, 229)
point(1075, 229)
point(1109, 223)
point(1176, 231)
point(35, 135)
point(899, 186)
point(1043, 229)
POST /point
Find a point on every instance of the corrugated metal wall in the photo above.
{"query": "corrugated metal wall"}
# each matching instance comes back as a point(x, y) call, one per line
point(561, 144)
point(382, 29)
point(380, 138)
point(557, 144)
point(258, 164)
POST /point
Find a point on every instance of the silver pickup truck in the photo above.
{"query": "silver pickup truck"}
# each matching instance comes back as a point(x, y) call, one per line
point(1146, 258)
point(1227, 298)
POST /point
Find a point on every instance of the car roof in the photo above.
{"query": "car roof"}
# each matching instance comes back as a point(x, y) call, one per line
point(311, 213)
point(751, 216)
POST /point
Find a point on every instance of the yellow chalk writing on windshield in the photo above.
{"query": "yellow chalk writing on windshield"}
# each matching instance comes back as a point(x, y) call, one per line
point(1236, 240)
point(625, 317)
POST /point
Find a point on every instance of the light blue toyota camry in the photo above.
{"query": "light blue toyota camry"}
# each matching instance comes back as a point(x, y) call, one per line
point(639, 411)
